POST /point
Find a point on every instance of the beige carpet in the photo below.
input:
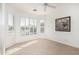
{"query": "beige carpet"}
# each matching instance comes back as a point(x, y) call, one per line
point(44, 47)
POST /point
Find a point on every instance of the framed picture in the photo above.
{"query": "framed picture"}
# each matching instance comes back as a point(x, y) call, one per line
point(63, 24)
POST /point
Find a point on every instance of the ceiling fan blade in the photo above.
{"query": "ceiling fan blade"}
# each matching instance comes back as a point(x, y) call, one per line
point(45, 4)
point(48, 5)
point(51, 6)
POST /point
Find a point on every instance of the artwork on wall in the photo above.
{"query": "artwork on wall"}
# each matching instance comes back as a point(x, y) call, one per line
point(63, 24)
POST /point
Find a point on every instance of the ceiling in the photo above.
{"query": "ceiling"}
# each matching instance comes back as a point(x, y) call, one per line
point(29, 7)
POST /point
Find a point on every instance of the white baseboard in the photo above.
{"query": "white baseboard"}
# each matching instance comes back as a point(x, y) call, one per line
point(63, 42)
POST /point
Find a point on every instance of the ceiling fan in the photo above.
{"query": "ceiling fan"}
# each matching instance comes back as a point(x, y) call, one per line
point(48, 5)
point(45, 5)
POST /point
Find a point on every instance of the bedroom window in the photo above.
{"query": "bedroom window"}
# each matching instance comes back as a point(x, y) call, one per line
point(22, 24)
point(28, 26)
point(42, 26)
point(33, 26)
point(10, 22)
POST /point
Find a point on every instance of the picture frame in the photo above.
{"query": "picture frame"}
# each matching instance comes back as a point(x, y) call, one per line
point(63, 24)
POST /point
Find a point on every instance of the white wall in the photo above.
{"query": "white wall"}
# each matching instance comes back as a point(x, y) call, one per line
point(70, 38)
point(9, 36)
point(0, 26)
